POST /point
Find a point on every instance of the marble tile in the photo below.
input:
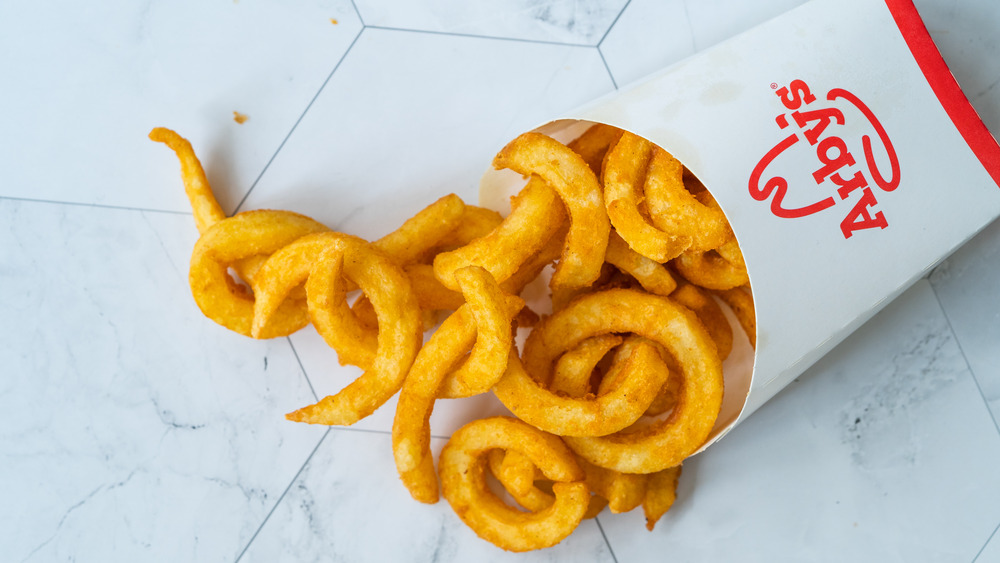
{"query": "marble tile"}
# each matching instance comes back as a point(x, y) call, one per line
point(966, 34)
point(966, 285)
point(991, 551)
point(88, 82)
point(653, 34)
point(632, 51)
point(715, 21)
point(432, 110)
point(348, 505)
point(883, 451)
point(131, 428)
point(579, 22)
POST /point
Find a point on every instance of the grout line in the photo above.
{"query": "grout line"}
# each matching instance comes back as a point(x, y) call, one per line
point(299, 120)
point(97, 205)
point(358, 12)
point(365, 430)
point(608, 68)
point(301, 367)
point(965, 357)
point(687, 18)
point(613, 22)
point(605, 536)
point(988, 540)
point(283, 493)
point(475, 36)
point(382, 432)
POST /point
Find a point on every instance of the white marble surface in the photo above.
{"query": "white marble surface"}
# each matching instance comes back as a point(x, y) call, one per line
point(133, 429)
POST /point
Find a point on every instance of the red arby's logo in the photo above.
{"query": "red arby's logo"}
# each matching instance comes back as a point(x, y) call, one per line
point(845, 170)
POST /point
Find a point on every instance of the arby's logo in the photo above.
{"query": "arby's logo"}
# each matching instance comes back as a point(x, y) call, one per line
point(855, 162)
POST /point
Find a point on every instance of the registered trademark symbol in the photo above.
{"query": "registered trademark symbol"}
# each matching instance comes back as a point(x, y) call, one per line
point(774, 85)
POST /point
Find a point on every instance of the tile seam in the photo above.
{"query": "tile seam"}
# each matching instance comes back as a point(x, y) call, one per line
point(611, 75)
point(282, 497)
point(97, 205)
point(988, 540)
point(607, 542)
point(299, 120)
point(965, 357)
point(478, 36)
point(302, 367)
point(613, 22)
point(358, 12)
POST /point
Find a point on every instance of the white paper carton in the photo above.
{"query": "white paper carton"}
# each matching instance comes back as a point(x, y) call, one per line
point(845, 156)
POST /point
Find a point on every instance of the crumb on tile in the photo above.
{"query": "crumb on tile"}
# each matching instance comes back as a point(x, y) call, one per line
point(240, 117)
point(334, 21)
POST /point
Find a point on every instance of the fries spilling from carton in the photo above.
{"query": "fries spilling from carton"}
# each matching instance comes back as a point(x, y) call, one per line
point(611, 392)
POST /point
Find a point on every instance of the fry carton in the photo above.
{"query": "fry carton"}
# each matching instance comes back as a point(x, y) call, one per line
point(844, 154)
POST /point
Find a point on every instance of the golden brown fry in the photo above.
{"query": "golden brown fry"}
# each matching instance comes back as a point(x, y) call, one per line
point(518, 478)
point(411, 425)
point(740, 300)
point(673, 209)
point(594, 143)
point(353, 336)
point(326, 259)
point(709, 313)
point(230, 240)
point(493, 311)
point(624, 176)
point(623, 491)
point(531, 269)
point(730, 252)
point(526, 318)
point(423, 231)
point(462, 469)
point(431, 296)
point(661, 492)
point(664, 443)
point(364, 311)
point(482, 325)
point(666, 399)
point(476, 222)
point(572, 179)
point(710, 270)
point(207, 211)
point(618, 408)
point(536, 214)
point(653, 276)
point(572, 373)
point(431, 293)
point(515, 471)
point(531, 495)
point(613, 372)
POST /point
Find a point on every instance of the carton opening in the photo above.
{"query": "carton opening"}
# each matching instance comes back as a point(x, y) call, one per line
point(495, 191)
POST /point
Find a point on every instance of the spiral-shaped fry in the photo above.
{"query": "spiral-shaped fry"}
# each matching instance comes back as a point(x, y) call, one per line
point(482, 325)
point(463, 465)
point(624, 176)
point(570, 176)
point(226, 243)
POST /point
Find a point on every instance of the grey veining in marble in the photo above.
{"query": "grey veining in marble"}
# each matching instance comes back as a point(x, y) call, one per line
point(128, 426)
